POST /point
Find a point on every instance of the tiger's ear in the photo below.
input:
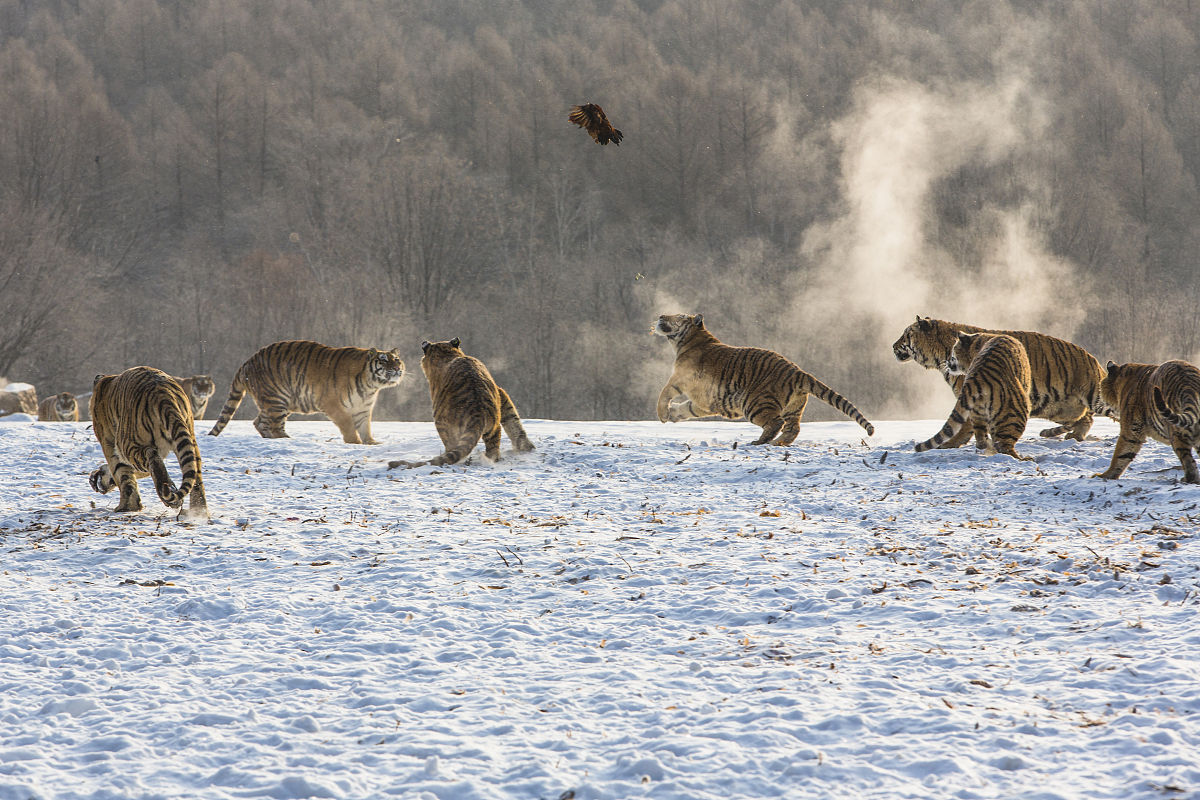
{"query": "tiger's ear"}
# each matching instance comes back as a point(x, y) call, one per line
point(455, 342)
point(699, 320)
point(965, 338)
point(924, 323)
point(1111, 366)
point(424, 346)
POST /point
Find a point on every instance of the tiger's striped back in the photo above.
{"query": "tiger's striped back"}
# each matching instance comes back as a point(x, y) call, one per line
point(304, 377)
point(994, 394)
point(138, 417)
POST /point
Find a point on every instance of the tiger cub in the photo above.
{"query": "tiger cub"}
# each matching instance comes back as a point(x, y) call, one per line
point(139, 417)
point(61, 407)
point(994, 394)
point(198, 388)
point(467, 405)
point(301, 377)
point(1160, 402)
point(1064, 378)
point(711, 377)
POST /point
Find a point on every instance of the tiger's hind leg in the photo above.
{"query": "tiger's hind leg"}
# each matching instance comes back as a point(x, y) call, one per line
point(1077, 429)
point(269, 422)
point(1183, 448)
point(197, 508)
point(123, 476)
point(510, 420)
point(983, 440)
point(1006, 443)
point(771, 423)
point(791, 424)
point(491, 444)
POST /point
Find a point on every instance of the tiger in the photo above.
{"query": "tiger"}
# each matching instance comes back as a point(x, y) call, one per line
point(1161, 402)
point(994, 394)
point(1065, 378)
point(138, 417)
point(61, 407)
point(303, 377)
point(198, 389)
point(762, 386)
point(468, 405)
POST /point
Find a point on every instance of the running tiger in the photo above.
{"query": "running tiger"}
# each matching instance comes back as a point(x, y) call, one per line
point(994, 393)
point(1064, 378)
point(301, 377)
point(1160, 402)
point(711, 377)
point(139, 417)
point(198, 388)
point(468, 406)
point(61, 407)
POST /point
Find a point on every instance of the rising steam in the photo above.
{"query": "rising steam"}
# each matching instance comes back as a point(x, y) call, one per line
point(878, 265)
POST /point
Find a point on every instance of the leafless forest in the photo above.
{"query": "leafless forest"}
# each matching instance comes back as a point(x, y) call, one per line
point(184, 181)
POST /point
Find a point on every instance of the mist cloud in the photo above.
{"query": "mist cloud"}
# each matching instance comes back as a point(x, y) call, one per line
point(877, 264)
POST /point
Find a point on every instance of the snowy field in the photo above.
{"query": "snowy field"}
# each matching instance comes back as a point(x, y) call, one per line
point(633, 610)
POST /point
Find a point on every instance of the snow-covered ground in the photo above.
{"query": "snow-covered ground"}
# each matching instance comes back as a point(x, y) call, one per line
point(633, 610)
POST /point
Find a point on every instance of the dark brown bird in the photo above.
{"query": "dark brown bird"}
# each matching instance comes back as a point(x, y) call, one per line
point(591, 118)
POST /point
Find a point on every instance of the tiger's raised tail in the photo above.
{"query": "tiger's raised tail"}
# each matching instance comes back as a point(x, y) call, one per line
point(822, 392)
point(237, 390)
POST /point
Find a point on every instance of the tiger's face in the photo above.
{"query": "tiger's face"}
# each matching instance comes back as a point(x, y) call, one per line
point(386, 367)
point(677, 326)
point(202, 388)
point(436, 353)
point(916, 342)
point(966, 347)
point(65, 405)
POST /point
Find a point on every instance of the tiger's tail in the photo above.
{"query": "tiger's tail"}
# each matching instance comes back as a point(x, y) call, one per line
point(237, 390)
point(1186, 413)
point(954, 424)
point(814, 387)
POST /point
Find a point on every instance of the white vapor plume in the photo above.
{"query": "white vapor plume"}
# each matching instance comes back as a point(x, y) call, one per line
point(879, 264)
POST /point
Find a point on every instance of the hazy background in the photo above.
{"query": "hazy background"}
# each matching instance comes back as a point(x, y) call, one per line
point(183, 182)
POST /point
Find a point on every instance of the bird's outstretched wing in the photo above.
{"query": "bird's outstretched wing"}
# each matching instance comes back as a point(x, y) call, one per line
point(592, 119)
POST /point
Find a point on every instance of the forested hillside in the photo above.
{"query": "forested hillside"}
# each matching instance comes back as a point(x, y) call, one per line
point(183, 182)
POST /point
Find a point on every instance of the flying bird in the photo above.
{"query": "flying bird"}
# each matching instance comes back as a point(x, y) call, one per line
point(591, 118)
